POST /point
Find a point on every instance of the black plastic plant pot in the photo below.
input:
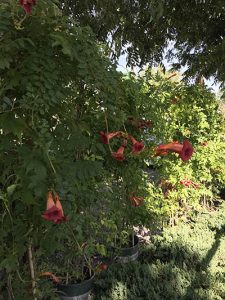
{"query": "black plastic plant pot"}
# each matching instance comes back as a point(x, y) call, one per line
point(76, 291)
point(130, 253)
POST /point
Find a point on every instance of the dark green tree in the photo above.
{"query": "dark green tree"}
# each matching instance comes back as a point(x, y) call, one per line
point(143, 30)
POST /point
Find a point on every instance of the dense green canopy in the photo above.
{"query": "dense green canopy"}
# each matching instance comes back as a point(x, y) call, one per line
point(144, 28)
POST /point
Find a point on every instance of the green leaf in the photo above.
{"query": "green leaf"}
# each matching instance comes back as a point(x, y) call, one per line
point(101, 249)
point(9, 263)
point(27, 197)
point(11, 189)
point(10, 123)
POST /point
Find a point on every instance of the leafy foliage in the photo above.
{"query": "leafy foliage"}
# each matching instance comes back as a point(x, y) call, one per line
point(143, 30)
point(58, 91)
point(178, 264)
point(54, 82)
point(181, 112)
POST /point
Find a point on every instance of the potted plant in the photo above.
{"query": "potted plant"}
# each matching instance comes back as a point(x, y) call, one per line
point(122, 215)
point(71, 254)
point(127, 177)
point(127, 247)
point(126, 242)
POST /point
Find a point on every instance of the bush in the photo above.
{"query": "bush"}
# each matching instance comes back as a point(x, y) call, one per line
point(59, 91)
point(183, 112)
point(185, 262)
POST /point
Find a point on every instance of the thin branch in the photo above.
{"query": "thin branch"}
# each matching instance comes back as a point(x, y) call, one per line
point(9, 289)
point(79, 247)
point(107, 129)
point(31, 265)
point(52, 166)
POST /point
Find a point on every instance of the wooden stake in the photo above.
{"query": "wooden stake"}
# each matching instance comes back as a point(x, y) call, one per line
point(31, 265)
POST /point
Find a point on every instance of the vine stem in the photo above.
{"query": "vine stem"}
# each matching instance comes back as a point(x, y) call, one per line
point(9, 110)
point(79, 247)
point(31, 266)
point(106, 122)
point(8, 179)
point(107, 128)
point(19, 23)
point(20, 278)
point(124, 128)
point(52, 166)
point(9, 288)
point(67, 273)
point(11, 221)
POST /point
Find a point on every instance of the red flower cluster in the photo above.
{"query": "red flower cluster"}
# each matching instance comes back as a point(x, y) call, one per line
point(119, 154)
point(184, 150)
point(144, 124)
point(105, 137)
point(103, 266)
point(187, 183)
point(54, 211)
point(140, 123)
point(27, 5)
point(136, 201)
point(137, 146)
point(166, 187)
